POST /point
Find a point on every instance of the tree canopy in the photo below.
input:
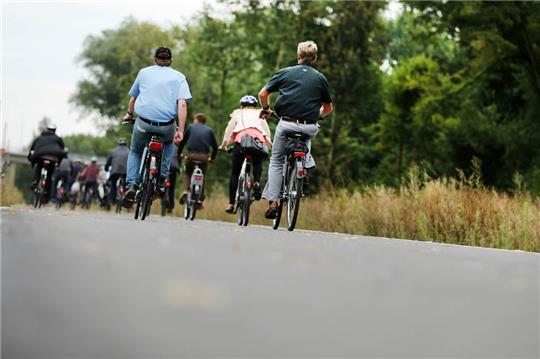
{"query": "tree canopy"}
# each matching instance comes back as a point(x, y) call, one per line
point(439, 85)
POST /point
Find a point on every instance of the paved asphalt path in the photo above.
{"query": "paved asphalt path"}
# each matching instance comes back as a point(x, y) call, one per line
point(96, 285)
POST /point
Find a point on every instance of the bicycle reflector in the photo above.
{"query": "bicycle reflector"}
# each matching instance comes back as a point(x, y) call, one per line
point(155, 146)
point(299, 154)
point(197, 178)
point(168, 184)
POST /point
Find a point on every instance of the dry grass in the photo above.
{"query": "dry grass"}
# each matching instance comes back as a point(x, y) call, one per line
point(9, 195)
point(443, 211)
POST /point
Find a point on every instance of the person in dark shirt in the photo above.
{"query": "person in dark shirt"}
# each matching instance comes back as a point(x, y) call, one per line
point(200, 140)
point(90, 177)
point(303, 99)
point(50, 148)
point(117, 165)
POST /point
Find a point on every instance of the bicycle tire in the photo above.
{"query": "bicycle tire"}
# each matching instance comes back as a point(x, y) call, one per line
point(187, 202)
point(118, 206)
point(295, 195)
point(247, 201)
point(36, 199)
point(165, 202)
point(277, 220)
point(146, 199)
point(247, 204)
point(240, 202)
point(137, 210)
point(194, 204)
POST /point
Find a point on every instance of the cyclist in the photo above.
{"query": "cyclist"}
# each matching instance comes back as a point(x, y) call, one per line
point(303, 99)
point(200, 140)
point(245, 121)
point(173, 173)
point(90, 176)
point(47, 146)
point(63, 172)
point(117, 165)
point(158, 95)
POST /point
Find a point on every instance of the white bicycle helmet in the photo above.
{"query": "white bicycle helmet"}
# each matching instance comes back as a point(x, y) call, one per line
point(248, 100)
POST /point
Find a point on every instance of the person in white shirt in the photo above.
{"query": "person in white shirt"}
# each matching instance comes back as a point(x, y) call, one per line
point(245, 121)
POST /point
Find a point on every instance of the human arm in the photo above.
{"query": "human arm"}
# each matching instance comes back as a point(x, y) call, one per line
point(108, 163)
point(263, 98)
point(267, 133)
point(326, 108)
point(131, 108)
point(227, 136)
point(214, 145)
point(183, 142)
point(182, 114)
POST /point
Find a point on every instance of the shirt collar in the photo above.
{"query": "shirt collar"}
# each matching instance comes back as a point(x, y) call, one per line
point(307, 63)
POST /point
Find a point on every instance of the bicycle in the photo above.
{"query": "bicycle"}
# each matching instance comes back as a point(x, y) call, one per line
point(294, 173)
point(60, 193)
point(149, 175)
point(88, 196)
point(74, 195)
point(195, 192)
point(244, 191)
point(40, 190)
point(120, 189)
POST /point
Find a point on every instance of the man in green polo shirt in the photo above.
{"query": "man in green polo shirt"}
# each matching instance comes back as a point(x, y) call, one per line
point(303, 99)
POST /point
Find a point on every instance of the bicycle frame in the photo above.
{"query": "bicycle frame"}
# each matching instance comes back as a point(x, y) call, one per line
point(195, 193)
point(149, 173)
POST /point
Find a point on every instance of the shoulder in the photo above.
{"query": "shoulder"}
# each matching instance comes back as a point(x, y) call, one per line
point(180, 76)
point(147, 69)
point(319, 74)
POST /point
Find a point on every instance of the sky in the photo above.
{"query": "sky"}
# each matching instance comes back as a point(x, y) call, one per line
point(40, 41)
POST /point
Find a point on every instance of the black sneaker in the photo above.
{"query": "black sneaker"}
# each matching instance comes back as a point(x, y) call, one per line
point(161, 186)
point(230, 209)
point(257, 193)
point(271, 213)
point(129, 196)
point(183, 198)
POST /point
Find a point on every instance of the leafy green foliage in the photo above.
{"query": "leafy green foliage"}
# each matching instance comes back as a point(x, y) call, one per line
point(461, 80)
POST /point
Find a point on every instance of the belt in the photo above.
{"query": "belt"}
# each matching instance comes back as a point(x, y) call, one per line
point(298, 121)
point(156, 123)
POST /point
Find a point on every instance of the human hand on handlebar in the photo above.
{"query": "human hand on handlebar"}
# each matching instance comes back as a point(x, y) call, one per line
point(128, 118)
point(265, 113)
point(223, 147)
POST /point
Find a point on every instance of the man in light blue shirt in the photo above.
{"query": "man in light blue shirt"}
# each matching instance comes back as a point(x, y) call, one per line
point(158, 95)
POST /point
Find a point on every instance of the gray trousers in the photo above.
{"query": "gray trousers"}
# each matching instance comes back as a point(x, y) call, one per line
point(275, 168)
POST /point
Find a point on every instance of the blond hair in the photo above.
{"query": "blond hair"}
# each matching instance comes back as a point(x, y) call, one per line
point(307, 50)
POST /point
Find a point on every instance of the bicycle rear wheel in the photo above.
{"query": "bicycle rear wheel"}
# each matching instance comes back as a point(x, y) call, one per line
point(187, 206)
point(146, 200)
point(247, 202)
point(294, 189)
point(37, 198)
point(194, 203)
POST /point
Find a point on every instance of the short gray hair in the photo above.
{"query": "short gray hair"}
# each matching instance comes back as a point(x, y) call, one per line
point(307, 50)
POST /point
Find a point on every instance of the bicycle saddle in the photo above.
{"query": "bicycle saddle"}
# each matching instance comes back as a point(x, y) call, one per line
point(197, 162)
point(297, 136)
